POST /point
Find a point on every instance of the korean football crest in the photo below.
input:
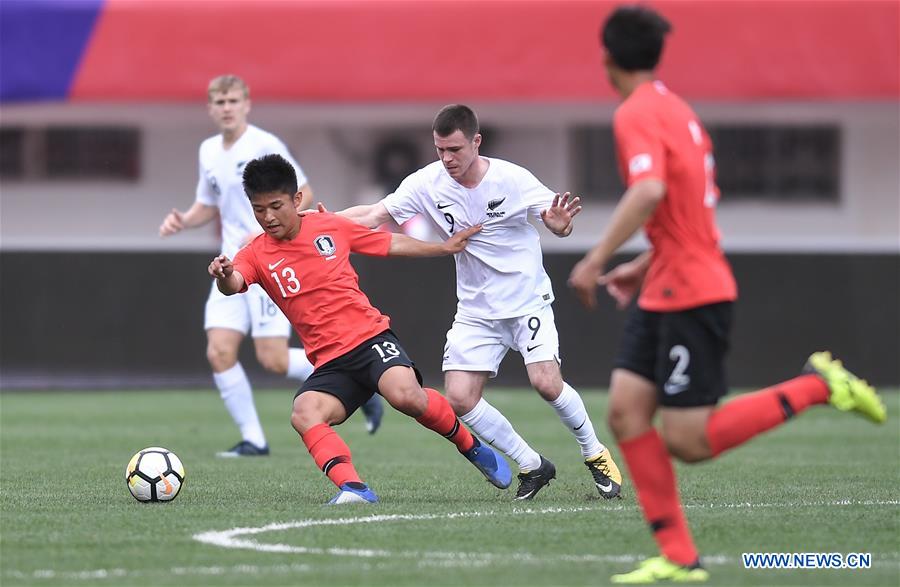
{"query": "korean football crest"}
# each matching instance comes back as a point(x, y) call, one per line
point(325, 245)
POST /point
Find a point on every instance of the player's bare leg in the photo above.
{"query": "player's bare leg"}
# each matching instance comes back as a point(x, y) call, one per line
point(275, 355)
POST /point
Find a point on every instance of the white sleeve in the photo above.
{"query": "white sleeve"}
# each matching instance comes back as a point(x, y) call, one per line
point(407, 199)
point(536, 196)
point(280, 148)
point(206, 193)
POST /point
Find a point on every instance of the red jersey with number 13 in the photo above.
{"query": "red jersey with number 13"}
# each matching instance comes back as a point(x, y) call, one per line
point(311, 279)
point(659, 136)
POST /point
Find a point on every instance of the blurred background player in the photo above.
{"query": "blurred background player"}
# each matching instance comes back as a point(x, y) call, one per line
point(504, 294)
point(304, 265)
point(672, 354)
point(228, 320)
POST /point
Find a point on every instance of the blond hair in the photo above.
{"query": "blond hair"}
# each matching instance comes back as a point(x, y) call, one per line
point(223, 83)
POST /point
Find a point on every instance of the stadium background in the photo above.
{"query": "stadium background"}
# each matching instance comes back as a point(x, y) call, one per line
point(103, 110)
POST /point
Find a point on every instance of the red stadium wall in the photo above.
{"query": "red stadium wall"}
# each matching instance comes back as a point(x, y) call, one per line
point(526, 50)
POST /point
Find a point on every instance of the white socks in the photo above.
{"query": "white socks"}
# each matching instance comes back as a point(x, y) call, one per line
point(299, 366)
point(234, 387)
point(571, 411)
point(495, 429)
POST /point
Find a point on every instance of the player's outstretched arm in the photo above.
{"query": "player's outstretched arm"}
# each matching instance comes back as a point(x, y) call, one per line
point(633, 210)
point(227, 279)
point(406, 246)
point(558, 217)
point(370, 215)
point(197, 215)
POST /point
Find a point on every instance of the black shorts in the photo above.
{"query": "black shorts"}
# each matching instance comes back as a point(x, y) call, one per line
point(353, 377)
point(682, 352)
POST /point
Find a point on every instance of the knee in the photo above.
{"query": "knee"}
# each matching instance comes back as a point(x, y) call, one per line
point(548, 387)
point(272, 361)
point(221, 357)
point(687, 448)
point(617, 420)
point(305, 415)
point(409, 399)
point(461, 402)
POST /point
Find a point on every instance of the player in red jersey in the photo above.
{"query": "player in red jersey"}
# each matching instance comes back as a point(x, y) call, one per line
point(671, 358)
point(303, 264)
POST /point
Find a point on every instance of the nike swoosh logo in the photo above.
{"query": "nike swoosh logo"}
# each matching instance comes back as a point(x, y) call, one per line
point(442, 206)
point(272, 266)
point(168, 485)
point(605, 488)
point(673, 389)
point(531, 348)
point(582, 424)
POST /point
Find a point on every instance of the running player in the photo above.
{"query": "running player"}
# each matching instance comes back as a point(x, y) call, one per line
point(672, 355)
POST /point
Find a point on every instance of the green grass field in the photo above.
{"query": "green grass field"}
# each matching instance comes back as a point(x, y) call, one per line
point(827, 482)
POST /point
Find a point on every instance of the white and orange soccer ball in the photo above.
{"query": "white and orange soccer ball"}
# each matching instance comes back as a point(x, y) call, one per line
point(154, 474)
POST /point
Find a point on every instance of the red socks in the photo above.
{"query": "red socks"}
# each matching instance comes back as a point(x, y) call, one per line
point(331, 454)
point(728, 426)
point(743, 418)
point(657, 492)
point(439, 417)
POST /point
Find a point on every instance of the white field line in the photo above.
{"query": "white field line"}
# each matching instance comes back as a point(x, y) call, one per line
point(96, 574)
point(233, 538)
point(228, 539)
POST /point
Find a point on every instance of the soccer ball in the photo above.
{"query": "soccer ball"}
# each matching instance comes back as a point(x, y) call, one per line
point(154, 474)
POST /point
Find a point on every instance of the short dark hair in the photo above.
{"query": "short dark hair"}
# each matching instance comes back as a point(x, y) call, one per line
point(270, 173)
point(634, 37)
point(454, 117)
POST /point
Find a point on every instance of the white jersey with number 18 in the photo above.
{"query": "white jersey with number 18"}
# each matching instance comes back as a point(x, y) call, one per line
point(221, 174)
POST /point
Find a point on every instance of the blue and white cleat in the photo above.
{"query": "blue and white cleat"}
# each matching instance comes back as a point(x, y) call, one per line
point(353, 492)
point(491, 464)
point(373, 410)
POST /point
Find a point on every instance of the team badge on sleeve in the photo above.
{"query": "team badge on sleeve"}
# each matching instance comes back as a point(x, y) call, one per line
point(325, 245)
point(640, 163)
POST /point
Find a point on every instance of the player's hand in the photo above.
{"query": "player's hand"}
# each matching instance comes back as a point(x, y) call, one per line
point(558, 217)
point(583, 280)
point(320, 207)
point(172, 223)
point(221, 267)
point(458, 241)
point(622, 283)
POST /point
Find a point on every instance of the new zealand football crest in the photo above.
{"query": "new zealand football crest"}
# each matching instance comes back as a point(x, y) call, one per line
point(325, 245)
point(492, 208)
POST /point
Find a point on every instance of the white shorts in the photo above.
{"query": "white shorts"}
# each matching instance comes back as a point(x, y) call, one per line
point(476, 344)
point(252, 311)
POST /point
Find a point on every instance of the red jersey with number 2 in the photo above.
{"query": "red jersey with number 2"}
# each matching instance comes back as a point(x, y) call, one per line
point(658, 136)
point(311, 279)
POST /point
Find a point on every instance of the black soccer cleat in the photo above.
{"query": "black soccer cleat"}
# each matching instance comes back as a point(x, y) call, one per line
point(244, 448)
point(532, 481)
point(606, 475)
point(373, 410)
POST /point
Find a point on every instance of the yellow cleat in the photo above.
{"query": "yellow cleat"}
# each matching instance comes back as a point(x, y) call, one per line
point(661, 569)
point(606, 474)
point(847, 392)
